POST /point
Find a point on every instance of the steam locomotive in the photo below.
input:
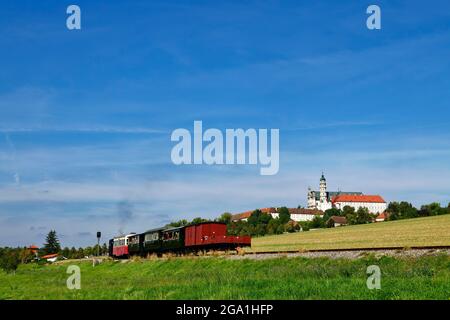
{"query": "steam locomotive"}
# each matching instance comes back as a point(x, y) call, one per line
point(192, 238)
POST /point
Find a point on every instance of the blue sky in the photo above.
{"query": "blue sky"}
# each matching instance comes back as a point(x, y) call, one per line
point(86, 115)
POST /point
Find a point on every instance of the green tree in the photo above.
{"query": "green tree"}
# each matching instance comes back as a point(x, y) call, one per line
point(238, 228)
point(198, 220)
point(407, 211)
point(280, 229)
point(225, 218)
point(362, 216)
point(347, 211)
point(25, 255)
point(359, 217)
point(432, 209)
point(73, 253)
point(316, 222)
point(394, 211)
point(272, 226)
point(331, 212)
point(257, 223)
point(104, 249)
point(261, 218)
point(80, 253)
point(255, 217)
point(350, 214)
point(402, 210)
point(304, 226)
point(88, 251)
point(9, 260)
point(52, 243)
point(284, 215)
point(65, 252)
point(179, 223)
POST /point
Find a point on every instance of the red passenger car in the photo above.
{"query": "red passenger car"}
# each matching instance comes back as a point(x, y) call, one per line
point(120, 246)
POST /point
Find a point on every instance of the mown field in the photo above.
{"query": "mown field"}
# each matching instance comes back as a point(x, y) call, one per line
point(427, 277)
point(429, 231)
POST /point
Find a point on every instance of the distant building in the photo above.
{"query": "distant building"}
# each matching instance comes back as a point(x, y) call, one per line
point(324, 200)
point(50, 257)
point(336, 221)
point(375, 204)
point(382, 217)
point(297, 214)
point(301, 214)
point(34, 250)
point(321, 200)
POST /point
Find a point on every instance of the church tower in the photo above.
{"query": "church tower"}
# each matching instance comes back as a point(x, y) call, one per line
point(323, 189)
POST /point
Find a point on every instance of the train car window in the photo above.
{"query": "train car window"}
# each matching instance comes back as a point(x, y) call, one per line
point(168, 236)
point(151, 236)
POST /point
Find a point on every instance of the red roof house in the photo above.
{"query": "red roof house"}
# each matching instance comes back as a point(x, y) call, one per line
point(50, 257)
point(382, 217)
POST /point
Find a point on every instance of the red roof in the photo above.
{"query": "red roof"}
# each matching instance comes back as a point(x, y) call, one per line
point(358, 198)
point(338, 219)
point(247, 214)
point(383, 215)
point(49, 256)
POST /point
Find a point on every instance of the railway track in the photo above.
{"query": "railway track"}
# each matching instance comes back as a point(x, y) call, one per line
point(352, 251)
point(349, 250)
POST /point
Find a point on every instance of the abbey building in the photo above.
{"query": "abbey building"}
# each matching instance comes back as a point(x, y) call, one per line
point(324, 199)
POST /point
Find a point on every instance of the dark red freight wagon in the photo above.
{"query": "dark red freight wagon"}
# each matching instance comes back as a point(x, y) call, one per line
point(212, 235)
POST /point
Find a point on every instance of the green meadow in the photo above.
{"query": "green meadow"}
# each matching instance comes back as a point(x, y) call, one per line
point(427, 277)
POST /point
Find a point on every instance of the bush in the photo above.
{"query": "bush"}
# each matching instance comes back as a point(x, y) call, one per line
point(402, 210)
point(9, 260)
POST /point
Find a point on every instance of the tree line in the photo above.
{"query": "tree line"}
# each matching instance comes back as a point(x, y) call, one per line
point(11, 258)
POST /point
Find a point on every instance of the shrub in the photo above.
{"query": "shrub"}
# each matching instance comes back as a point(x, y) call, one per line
point(9, 260)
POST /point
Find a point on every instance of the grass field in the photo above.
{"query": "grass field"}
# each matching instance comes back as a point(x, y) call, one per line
point(430, 231)
point(427, 277)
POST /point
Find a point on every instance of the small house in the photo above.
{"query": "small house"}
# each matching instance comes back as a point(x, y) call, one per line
point(336, 221)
